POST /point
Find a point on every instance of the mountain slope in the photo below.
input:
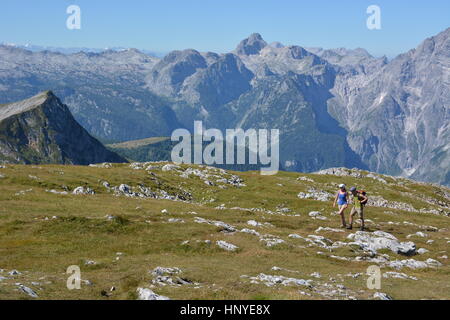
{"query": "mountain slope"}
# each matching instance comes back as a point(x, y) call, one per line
point(288, 244)
point(42, 130)
point(398, 117)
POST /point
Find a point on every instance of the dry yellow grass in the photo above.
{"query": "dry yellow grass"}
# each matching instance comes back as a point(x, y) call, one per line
point(42, 247)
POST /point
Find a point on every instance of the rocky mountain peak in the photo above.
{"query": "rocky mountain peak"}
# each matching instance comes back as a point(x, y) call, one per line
point(251, 45)
point(437, 45)
point(297, 52)
point(41, 129)
point(11, 109)
point(188, 55)
point(168, 75)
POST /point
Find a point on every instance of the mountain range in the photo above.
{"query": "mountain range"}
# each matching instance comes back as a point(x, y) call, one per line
point(333, 107)
point(72, 50)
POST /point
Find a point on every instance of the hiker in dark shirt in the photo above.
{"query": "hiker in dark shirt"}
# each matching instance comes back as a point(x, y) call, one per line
point(359, 199)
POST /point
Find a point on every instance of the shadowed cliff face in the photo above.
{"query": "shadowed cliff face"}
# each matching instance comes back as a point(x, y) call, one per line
point(42, 130)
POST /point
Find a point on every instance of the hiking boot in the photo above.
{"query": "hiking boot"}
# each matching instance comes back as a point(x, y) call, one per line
point(362, 228)
point(350, 227)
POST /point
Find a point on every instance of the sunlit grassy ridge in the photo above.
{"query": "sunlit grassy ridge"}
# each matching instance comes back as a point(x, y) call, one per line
point(138, 143)
point(42, 233)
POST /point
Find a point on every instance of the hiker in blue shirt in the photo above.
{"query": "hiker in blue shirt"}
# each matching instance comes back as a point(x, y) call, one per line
point(342, 200)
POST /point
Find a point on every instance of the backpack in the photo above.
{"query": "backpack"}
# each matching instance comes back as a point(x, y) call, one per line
point(364, 194)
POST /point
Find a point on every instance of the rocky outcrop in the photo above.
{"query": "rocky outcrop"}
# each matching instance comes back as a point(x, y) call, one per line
point(147, 294)
point(224, 226)
point(379, 240)
point(226, 246)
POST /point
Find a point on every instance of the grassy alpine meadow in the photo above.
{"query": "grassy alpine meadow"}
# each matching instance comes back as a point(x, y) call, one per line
point(281, 242)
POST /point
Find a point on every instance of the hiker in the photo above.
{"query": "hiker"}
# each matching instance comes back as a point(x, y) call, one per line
point(359, 199)
point(342, 201)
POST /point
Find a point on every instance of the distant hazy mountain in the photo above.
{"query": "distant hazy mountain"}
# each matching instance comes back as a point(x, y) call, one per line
point(334, 107)
point(71, 50)
point(42, 130)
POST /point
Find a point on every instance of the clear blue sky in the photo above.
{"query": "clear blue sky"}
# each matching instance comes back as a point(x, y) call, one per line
point(218, 25)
